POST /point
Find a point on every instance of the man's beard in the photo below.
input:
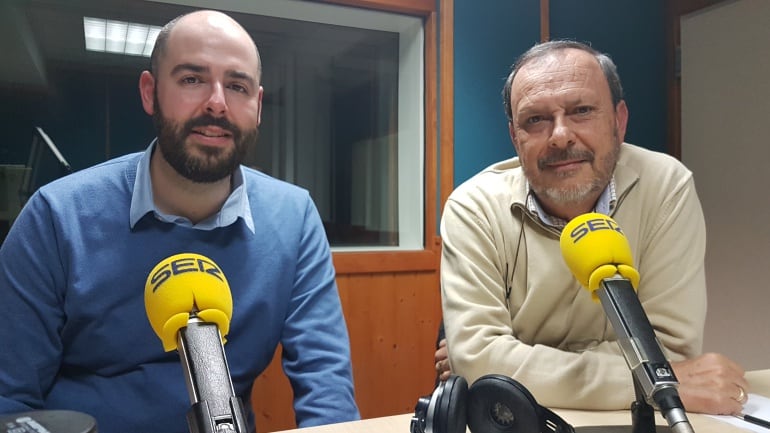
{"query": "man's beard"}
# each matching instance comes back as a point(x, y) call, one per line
point(217, 164)
point(576, 193)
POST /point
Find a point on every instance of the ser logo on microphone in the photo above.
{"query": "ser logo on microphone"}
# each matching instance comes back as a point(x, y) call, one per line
point(592, 225)
point(182, 265)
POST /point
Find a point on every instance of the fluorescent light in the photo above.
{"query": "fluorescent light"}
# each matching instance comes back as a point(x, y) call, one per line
point(94, 32)
point(116, 36)
point(119, 37)
point(152, 34)
point(136, 37)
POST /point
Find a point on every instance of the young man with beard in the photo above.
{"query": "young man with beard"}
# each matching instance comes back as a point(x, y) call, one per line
point(511, 305)
point(73, 267)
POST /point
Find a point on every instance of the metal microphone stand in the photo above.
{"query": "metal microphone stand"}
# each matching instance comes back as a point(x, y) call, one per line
point(642, 414)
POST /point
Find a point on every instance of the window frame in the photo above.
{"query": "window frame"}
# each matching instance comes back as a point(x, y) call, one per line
point(437, 125)
point(439, 137)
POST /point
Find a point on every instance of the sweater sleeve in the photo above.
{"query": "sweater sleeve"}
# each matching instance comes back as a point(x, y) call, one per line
point(31, 281)
point(672, 287)
point(316, 350)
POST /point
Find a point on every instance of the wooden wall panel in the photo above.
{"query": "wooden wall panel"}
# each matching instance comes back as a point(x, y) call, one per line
point(392, 321)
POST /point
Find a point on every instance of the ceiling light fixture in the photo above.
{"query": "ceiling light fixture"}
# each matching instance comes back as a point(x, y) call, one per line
point(119, 37)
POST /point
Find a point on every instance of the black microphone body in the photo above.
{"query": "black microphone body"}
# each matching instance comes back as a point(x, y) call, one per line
point(215, 407)
point(642, 351)
point(189, 306)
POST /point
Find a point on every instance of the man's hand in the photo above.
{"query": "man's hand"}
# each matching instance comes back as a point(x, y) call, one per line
point(442, 362)
point(711, 383)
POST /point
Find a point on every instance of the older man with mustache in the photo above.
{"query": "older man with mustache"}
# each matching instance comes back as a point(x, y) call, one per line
point(511, 305)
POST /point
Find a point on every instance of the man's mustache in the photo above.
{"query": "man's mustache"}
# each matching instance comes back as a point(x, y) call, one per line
point(208, 120)
point(561, 155)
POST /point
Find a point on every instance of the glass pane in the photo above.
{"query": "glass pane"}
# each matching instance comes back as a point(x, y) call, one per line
point(330, 123)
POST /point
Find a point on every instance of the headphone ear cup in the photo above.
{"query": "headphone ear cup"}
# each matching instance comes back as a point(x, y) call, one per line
point(444, 411)
point(498, 403)
point(450, 414)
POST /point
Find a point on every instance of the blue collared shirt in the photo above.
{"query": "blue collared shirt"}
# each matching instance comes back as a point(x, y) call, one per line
point(236, 206)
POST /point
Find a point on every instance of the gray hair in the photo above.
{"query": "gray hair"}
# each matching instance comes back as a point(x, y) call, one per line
point(542, 49)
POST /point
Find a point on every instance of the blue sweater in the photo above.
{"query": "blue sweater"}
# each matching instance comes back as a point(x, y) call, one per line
point(76, 334)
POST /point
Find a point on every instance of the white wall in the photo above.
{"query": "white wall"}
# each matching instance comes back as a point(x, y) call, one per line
point(726, 143)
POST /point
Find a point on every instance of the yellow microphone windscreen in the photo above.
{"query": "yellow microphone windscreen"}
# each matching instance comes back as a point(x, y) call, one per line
point(593, 246)
point(185, 283)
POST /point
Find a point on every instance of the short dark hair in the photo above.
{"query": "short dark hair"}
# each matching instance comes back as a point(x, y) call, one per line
point(540, 50)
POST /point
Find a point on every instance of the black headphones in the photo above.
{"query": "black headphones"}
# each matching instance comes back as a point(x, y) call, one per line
point(493, 404)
